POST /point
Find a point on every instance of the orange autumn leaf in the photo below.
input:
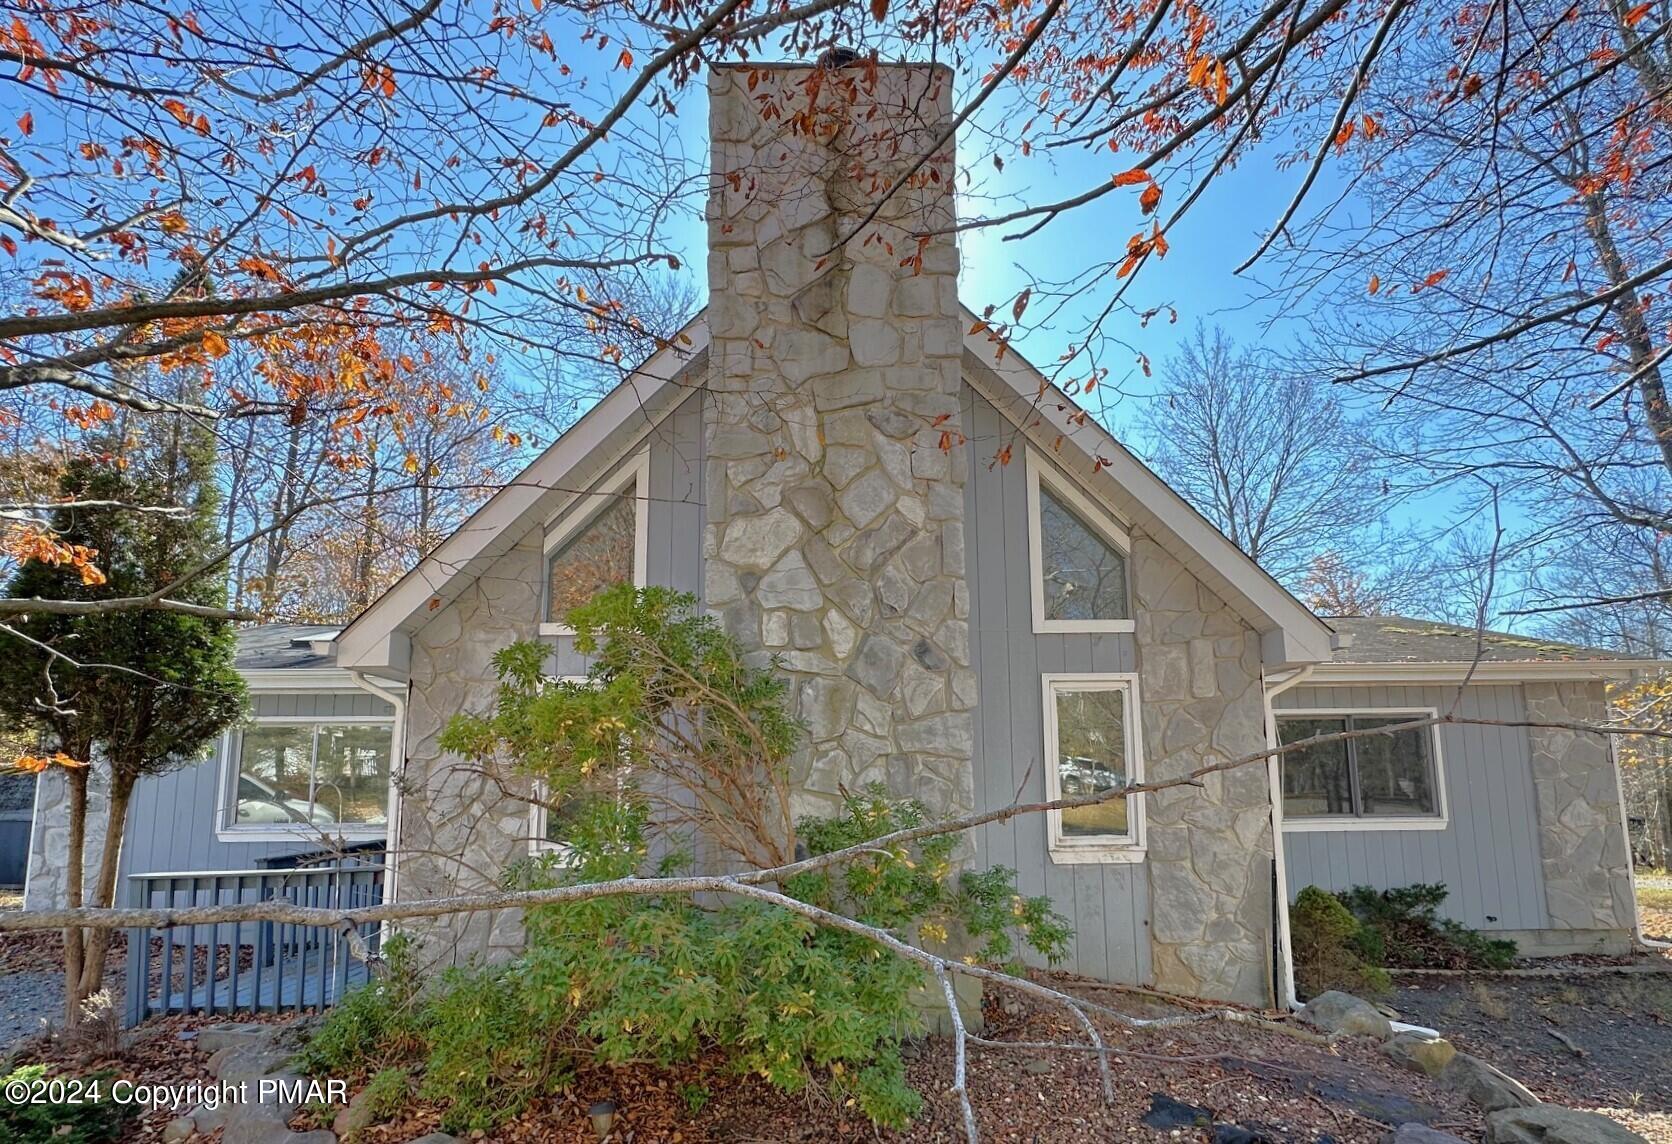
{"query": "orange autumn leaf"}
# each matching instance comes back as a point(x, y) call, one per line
point(626, 59)
point(1150, 199)
point(36, 764)
point(879, 9)
point(1132, 178)
point(1375, 283)
point(26, 123)
point(1635, 16)
point(1433, 279)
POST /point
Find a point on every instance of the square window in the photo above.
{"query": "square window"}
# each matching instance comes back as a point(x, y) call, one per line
point(1091, 742)
point(311, 776)
point(1391, 776)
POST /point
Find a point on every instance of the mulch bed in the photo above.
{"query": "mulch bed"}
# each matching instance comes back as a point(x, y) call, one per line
point(1290, 1090)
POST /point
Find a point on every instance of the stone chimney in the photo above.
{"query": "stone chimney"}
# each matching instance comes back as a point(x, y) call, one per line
point(835, 457)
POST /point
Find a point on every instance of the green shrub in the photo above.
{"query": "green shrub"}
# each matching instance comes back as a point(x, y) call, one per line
point(1407, 932)
point(387, 1092)
point(92, 1122)
point(490, 1052)
point(373, 1026)
point(1329, 947)
point(671, 703)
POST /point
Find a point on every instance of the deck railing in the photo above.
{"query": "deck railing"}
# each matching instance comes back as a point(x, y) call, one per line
point(232, 967)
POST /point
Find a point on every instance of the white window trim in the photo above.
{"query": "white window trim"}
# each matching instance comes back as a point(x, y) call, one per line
point(580, 514)
point(1040, 470)
point(1312, 824)
point(1068, 851)
point(227, 779)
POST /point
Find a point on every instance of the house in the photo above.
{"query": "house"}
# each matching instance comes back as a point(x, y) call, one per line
point(306, 776)
point(976, 593)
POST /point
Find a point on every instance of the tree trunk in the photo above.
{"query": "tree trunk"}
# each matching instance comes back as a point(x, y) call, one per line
point(75, 874)
point(1634, 328)
point(97, 942)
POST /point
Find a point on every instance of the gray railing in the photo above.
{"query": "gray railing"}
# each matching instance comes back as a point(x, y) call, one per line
point(262, 966)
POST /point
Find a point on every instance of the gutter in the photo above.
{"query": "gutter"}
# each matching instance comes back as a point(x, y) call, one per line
point(1286, 966)
point(1644, 941)
point(397, 763)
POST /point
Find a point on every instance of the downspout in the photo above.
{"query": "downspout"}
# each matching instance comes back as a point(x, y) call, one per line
point(1643, 939)
point(397, 762)
point(1286, 968)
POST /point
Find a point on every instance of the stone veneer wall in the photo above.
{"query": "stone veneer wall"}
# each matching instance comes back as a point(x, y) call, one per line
point(458, 830)
point(835, 456)
point(1587, 876)
point(49, 841)
point(1210, 848)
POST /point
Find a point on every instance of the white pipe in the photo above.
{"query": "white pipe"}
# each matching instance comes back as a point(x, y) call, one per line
point(1286, 969)
point(397, 760)
point(1643, 939)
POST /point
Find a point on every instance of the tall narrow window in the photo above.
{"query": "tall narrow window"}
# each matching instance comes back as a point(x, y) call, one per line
point(1393, 776)
point(1079, 559)
point(1092, 748)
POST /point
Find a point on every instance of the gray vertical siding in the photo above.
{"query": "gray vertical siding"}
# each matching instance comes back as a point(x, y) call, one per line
point(676, 515)
point(171, 822)
point(1109, 903)
point(1488, 854)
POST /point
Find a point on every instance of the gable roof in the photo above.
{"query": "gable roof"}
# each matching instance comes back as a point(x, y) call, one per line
point(1404, 639)
point(281, 647)
point(376, 640)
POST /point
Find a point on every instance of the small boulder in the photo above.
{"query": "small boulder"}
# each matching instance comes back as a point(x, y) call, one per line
point(180, 1128)
point(1426, 1055)
point(1551, 1124)
point(218, 1037)
point(1337, 1012)
point(234, 1063)
point(435, 1138)
point(359, 1115)
point(1420, 1134)
point(1484, 1086)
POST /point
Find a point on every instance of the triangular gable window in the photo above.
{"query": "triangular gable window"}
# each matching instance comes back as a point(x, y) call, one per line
point(1079, 559)
point(605, 548)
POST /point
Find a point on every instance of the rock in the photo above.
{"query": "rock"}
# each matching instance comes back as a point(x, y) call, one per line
point(435, 1138)
point(273, 1132)
point(1420, 1134)
point(1377, 1104)
point(1551, 1124)
point(180, 1128)
point(1165, 1112)
point(1485, 1086)
point(218, 1037)
point(1036, 1066)
point(1237, 1134)
point(1337, 1012)
point(246, 1061)
point(1426, 1055)
point(357, 1116)
point(206, 1119)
